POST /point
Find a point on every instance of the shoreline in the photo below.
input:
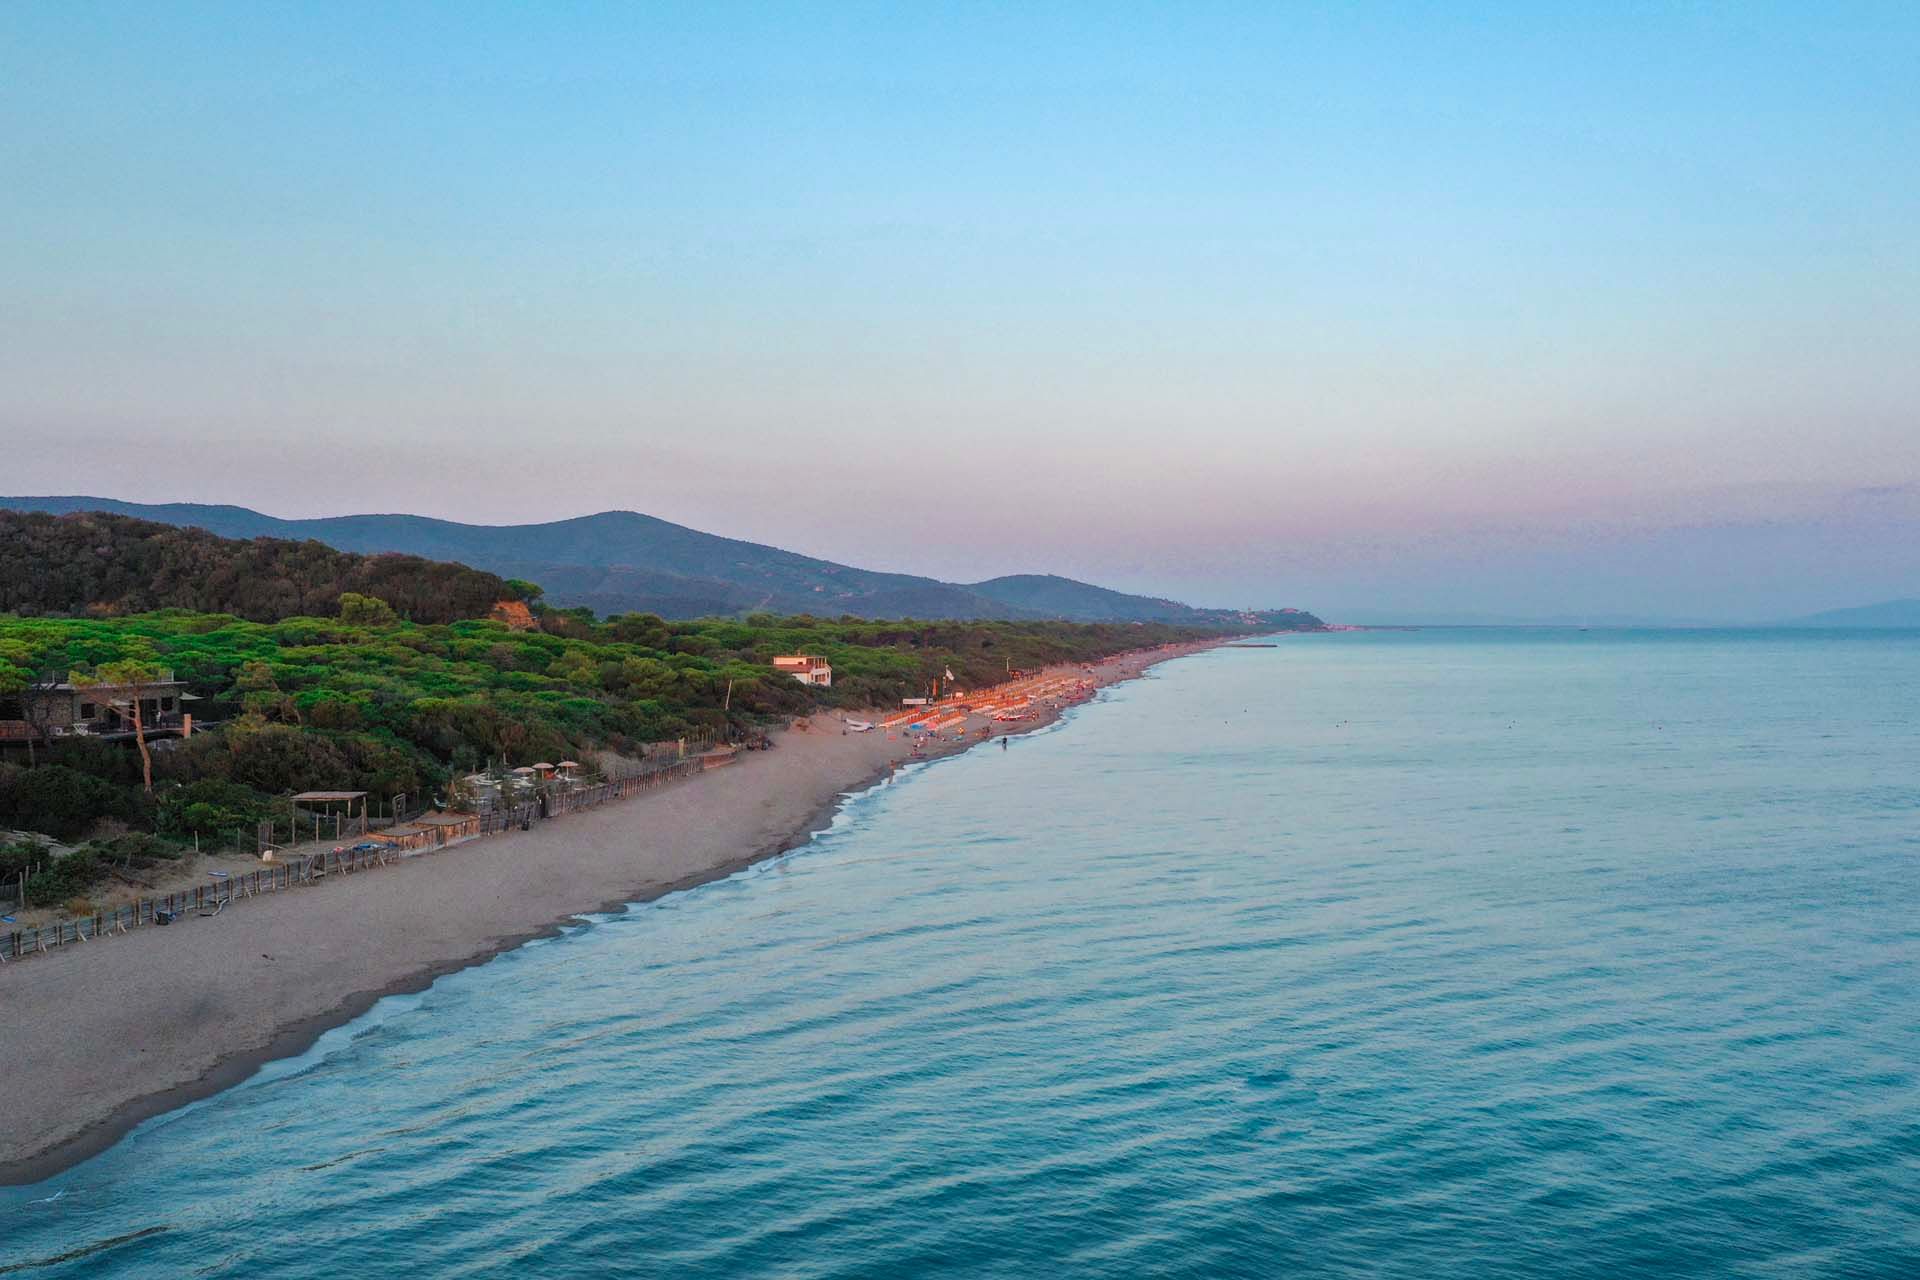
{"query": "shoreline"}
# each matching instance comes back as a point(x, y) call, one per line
point(803, 784)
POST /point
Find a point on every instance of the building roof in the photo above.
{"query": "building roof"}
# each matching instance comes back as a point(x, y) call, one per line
point(329, 795)
point(70, 685)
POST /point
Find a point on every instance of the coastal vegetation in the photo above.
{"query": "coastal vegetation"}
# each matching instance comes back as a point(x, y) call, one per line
point(299, 667)
point(108, 565)
point(367, 700)
point(48, 879)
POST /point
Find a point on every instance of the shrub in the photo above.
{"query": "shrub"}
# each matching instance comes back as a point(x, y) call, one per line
point(211, 806)
point(64, 803)
point(22, 855)
point(366, 611)
point(134, 849)
point(65, 877)
point(280, 757)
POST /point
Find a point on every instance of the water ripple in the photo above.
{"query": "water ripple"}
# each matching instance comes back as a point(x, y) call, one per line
point(1198, 986)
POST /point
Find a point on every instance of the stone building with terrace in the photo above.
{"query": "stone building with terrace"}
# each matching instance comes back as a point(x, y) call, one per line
point(52, 707)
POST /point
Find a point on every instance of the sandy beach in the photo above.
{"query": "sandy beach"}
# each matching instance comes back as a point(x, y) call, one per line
point(109, 1033)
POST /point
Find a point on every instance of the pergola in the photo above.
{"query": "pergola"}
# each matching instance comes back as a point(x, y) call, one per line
point(333, 797)
point(313, 800)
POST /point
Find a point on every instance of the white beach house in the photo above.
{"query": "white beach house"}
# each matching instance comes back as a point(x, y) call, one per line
point(805, 668)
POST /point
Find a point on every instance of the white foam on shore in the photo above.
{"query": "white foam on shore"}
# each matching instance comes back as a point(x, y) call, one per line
point(328, 1044)
point(333, 1040)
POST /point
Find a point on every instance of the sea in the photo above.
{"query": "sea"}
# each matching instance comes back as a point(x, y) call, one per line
point(1434, 953)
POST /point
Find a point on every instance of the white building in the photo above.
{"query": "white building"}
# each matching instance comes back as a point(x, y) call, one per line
point(806, 669)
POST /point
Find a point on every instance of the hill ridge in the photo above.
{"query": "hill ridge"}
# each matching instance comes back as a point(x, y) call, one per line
point(104, 563)
point(618, 560)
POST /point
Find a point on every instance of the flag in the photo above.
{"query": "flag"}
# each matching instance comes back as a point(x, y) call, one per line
point(949, 673)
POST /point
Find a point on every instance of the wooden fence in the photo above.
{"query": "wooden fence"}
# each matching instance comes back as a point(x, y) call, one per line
point(554, 801)
point(203, 901)
point(209, 900)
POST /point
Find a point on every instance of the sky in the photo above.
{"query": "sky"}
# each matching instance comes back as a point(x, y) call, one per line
point(1382, 310)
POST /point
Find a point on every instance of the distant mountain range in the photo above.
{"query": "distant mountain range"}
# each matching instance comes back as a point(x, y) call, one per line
point(1890, 613)
point(622, 561)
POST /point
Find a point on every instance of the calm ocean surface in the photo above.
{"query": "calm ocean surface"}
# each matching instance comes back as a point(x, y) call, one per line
point(1429, 954)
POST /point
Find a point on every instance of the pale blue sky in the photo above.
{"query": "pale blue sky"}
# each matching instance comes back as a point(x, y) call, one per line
point(1512, 308)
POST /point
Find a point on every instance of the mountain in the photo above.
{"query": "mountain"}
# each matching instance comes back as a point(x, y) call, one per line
point(1055, 597)
point(1059, 597)
point(100, 563)
point(622, 561)
point(1889, 613)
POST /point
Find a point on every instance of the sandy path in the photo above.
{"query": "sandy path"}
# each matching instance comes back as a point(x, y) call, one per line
point(99, 1037)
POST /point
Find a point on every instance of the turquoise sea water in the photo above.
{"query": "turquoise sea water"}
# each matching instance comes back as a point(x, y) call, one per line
point(1429, 954)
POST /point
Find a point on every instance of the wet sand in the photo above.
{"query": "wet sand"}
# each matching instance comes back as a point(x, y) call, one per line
point(106, 1034)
